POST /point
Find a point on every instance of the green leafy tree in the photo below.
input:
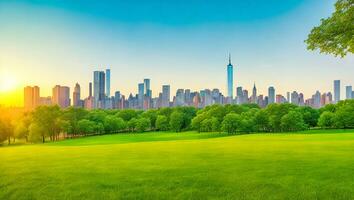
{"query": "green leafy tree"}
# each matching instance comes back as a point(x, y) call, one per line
point(261, 120)
point(47, 117)
point(215, 124)
point(73, 116)
point(37, 132)
point(132, 124)
point(276, 112)
point(310, 115)
point(127, 114)
point(231, 123)
point(326, 120)
point(293, 121)
point(197, 121)
point(344, 116)
point(86, 126)
point(143, 124)
point(176, 121)
point(113, 124)
point(151, 115)
point(99, 128)
point(335, 35)
point(162, 123)
point(207, 125)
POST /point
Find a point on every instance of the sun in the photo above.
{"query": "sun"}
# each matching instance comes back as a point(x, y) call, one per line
point(7, 83)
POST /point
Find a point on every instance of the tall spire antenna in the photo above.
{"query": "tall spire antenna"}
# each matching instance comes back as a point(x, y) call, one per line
point(229, 58)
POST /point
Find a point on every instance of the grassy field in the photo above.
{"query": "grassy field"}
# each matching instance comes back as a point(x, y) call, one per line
point(312, 165)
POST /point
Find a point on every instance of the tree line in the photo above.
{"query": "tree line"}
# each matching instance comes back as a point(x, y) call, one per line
point(52, 123)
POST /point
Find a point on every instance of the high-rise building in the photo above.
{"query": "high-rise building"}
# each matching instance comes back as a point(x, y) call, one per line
point(295, 98)
point(76, 96)
point(271, 95)
point(348, 92)
point(108, 82)
point(317, 99)
point(254, 94)
point(288, 97)
point(98, 88)
point(230, 79)
point(31, 97)
point(239, 95)
point(90, 89)
point(336, 91)
point(179, 97)
point(141, 95)
point(61, 96)
point(147, 87)
point(165, 95)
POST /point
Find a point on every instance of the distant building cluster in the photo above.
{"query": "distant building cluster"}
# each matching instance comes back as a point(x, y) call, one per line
point(100, 96)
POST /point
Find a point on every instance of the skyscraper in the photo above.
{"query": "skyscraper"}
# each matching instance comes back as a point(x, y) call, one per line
point(179, 97)
point(98, 87)
point(348, 92)
point(239, 95)
point(141, 95)
point(90, 89)
point(254, 94)
point(230, 79)
point(295, 98)
point(61, 96)
point(31, 97)
point(76, 96)
point(271, 95)
point(147, 87)
point(108, 82)
point(317, 99)
point(336, 91)
point(165, 96)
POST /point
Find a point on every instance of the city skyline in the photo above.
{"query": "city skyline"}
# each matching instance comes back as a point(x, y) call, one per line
point(266, 44)
point(144, 100)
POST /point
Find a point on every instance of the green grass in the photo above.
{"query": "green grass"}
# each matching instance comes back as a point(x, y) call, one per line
point(307, 165)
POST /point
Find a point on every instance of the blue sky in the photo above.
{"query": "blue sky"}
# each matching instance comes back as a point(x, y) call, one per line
point(181, 43)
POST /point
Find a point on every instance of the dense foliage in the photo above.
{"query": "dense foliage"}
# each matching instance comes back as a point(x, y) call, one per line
point(53, 123)
point(335, 35)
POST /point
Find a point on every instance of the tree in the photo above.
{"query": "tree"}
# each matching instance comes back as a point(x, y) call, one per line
point(326, 120)
point(143, 124)
point(151, 115)
point(73, 116)
point(86, 126)
point(132, 124)
point(113, 124)
point(127, 114)
point(197, 120)
point(344, 116)
point(176, 121)
point(206, 125)
point(6, 128)
point(47, 117)
point(162, 123)
point(309, 115)
point(261, 120)
point(37, 132)
point(276, 112)
point(231, 122)
point(292, 121)
point(215, 124)
point(335, 35)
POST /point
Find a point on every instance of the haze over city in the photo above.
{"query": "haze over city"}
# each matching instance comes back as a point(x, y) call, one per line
point(184, 46)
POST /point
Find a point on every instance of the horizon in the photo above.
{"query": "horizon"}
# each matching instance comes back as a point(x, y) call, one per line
point(52, 43)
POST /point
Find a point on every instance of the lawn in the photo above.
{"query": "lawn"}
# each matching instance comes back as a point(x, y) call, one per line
point(307, 165)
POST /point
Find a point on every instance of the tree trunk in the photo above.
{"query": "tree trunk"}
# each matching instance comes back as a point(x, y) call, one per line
point(9, 140)
point(43, 140)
